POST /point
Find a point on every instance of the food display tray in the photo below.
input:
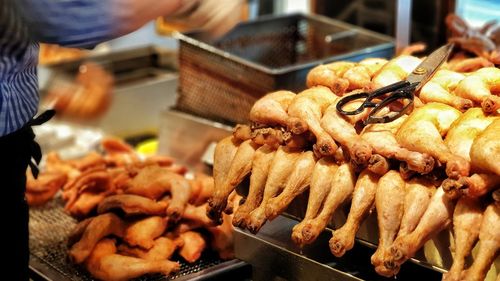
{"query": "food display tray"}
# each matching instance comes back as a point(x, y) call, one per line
point(49, 228)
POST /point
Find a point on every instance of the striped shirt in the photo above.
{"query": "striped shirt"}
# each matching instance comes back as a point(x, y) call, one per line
point(24, 23)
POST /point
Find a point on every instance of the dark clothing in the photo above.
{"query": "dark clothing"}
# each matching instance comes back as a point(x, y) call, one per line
point(16, 152)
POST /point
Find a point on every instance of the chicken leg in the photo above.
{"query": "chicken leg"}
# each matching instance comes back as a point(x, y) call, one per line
point(281, 167)
point(437, 217)
point(240, 166)
point(106, 265)
point(422, 131)
point(362, 201)
point(321, 181)
point(467, 219)
point(489, 244)
point(389, 202)
point(485, 150)
point(305, 113)
point(440, 88)
point(271, 109)
point(260, 169)
point(341, 189)
point(480, 86)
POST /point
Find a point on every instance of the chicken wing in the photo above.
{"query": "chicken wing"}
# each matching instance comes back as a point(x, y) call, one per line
point(306, 111)
point(362, 201)
point(260, 169)
point(197, 215)
point(467, 219)
point(106, 265)
point(321, 182)
point(143, 232)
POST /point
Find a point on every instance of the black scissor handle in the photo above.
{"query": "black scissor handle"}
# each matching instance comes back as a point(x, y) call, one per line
point(405, 93)
point(368, 98)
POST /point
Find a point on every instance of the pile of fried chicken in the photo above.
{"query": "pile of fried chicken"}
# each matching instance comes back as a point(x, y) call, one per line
point(436, 167)
point(134, 213)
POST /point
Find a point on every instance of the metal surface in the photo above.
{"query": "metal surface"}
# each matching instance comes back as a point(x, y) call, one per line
point(145, 84)
point(189, 138)
point(274, 257)
point(221, 80)
point(403, 24)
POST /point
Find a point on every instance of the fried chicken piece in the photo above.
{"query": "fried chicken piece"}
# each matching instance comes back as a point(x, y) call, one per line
point(462, 63)
point(341, 189)
point(467, 219)
point(437, 217)
point(485, 150)
point(100, 227)
point(297, 183)
point(271, 109)
point(381, 137)
point(239, 167)
point(104, 264)
point(85, 203)
point(440, 89)
point(363, 199)
point(395, 70)
point(343, 131)
point(132, 205)
point(389, 201)
point(198, 215)
point(306, 111)
point(321, 181)
point(261, 163)
point(143, 232)
point(281, 167)
point(76, 233)
point(202, 188)
point(118, 153)
point(54, 164)
point(163, 249)
point(489, 245)
point(39, 191)
point(331, 76)
point(222, 238)
point(480, 87)
point(194, 245)
point(154, 181)
point(417, 198)
point(423, 130)
point(89, 161)
point(242, 132)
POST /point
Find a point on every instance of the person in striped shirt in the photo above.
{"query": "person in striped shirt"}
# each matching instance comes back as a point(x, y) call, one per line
point(74, 23)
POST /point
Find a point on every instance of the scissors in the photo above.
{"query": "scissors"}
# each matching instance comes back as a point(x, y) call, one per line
point(402, 90)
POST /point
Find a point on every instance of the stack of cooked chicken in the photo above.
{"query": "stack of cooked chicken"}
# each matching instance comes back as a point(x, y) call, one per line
point(436, 167)
point(136, 213)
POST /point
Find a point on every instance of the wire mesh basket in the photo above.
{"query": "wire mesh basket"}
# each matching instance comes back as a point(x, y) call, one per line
point(221, 79)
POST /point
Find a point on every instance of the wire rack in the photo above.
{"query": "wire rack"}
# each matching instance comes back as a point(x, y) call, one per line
point(49, 228)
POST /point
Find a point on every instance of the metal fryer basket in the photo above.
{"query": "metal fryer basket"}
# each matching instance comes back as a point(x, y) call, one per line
point(49, 228)
point(221, 80)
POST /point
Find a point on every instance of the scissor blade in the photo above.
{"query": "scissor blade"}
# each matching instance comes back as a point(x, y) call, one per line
point(429, 66)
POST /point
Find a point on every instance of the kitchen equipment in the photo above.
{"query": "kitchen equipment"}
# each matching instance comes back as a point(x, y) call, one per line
point(221, 79)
